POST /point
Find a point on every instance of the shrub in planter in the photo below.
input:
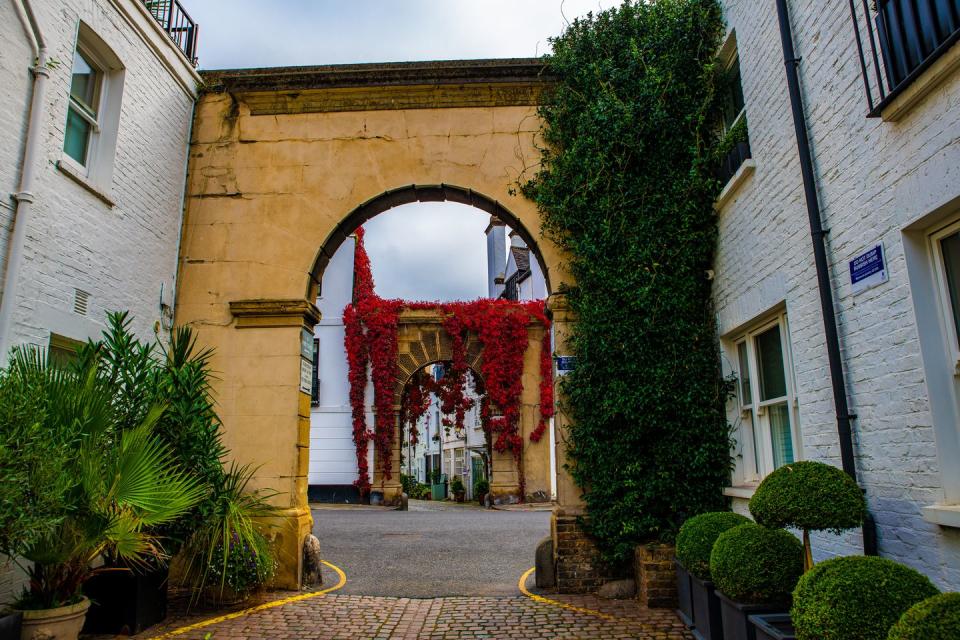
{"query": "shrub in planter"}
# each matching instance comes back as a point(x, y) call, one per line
point(855, 598)
point(754, 569)
point(936, 618)
point(697, 535)
point(480, 489)
point(811, 496)
point(756, 565)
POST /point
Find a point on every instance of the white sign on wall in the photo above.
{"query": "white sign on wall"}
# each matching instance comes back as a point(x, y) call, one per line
point(306, 376)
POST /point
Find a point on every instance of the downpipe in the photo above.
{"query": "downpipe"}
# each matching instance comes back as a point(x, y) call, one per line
point(24, 197)
point(817, 233)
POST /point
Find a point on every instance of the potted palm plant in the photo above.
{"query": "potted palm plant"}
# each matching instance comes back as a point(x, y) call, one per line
point(115, 484)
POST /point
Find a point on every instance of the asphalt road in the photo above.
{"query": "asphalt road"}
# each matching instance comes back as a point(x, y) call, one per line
point(432, 550)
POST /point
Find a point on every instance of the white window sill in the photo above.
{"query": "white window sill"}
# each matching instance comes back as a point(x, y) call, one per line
point(733, 185)
point(943, 514)
point(77, 176)
point(744, 491)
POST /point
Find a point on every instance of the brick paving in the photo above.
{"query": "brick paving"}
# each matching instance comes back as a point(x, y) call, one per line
point(352, 617)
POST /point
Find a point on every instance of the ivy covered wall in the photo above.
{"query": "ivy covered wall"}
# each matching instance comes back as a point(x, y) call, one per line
point(626, 186)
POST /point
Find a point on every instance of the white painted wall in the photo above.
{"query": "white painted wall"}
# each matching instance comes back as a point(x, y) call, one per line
point(122, 255)
point(880, 182)
point(333, 459)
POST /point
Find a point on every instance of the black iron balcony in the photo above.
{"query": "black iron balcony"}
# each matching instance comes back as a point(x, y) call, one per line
point(739, 154)
point(177, 23)
point(897, 40)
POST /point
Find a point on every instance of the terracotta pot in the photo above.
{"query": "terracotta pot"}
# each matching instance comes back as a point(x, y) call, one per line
point(226, 597)
point(62, 623)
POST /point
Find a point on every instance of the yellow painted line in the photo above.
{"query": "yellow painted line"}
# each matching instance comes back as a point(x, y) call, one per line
point(259, 607)
point(556, 603)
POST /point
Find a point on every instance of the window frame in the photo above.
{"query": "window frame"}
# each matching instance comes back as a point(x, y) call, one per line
point(944, 300)
point(73, 105)
point(756, 447)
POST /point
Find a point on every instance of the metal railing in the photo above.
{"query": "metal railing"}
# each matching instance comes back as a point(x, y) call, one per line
point(897, 40)
point(177, 23)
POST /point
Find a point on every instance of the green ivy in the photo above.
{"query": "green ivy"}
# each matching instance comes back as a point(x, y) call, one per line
point(626, 187)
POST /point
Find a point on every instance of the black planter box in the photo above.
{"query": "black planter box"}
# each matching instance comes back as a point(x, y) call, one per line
point(707, 623)
point(773, 626)
point(736, 625)
point(10, 625)
point(684, 595)
point(125, 602)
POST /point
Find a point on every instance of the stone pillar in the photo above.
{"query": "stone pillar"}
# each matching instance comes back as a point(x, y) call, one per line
point(656, 576)
point(578, 565)
point(266, 413)
point(391, 487)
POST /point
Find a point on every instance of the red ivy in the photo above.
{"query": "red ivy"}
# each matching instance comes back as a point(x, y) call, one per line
point(501, 326)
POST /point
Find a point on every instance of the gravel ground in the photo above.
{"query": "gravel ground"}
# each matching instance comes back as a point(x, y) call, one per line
point(434, 549)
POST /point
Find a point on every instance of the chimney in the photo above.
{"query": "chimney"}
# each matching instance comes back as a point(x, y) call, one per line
point(516, 240)
point(496, 256)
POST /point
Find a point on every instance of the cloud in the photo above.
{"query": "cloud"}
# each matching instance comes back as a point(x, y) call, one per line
point(429, 251)
point(254, 33)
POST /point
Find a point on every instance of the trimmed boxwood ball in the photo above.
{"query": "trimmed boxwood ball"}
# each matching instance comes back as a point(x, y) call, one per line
point(855, 598)
point(696, 538)
point(756, 565)
point(936, 618)
point(809, 495)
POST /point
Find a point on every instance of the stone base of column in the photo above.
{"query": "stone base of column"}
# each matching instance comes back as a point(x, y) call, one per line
point(579, 568)
point(288, 529)
point(656, 576)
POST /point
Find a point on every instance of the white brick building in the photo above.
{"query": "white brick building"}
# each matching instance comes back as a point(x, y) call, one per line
point(892, 181)
point(102, 230)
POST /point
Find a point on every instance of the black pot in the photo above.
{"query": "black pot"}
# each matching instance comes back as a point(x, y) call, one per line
point(125, 602)
point(10, 626)
point(707, 623)
point(774, 626)
point(684, 595)
point(736, 625)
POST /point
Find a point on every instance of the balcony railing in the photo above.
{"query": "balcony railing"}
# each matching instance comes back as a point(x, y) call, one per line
point(177, 23)
point(739, 154)
point(897, 40)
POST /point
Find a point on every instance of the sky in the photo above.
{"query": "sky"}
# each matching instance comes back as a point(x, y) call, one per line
point(423, 251)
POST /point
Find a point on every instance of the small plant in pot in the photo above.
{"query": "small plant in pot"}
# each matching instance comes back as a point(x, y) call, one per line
point(457, 488)
point(936, 618)
point(856, 598)
point(699, 605)
point(115, 483)
point(480, 490)
point(755, 570)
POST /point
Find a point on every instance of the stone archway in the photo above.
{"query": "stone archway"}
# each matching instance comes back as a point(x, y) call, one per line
point(283, 161)
point(421, 340)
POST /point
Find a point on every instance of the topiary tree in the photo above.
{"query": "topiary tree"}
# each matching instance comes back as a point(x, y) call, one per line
point(855, 598)
point(696, 538)
point(936, 618)
point(756, 565)
point(811, 496)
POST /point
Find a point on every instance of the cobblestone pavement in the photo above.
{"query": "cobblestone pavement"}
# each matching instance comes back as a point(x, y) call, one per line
point(502, 618)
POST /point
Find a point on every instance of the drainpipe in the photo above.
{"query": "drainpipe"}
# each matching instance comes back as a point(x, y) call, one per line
point(817, 234)
point(24, 196)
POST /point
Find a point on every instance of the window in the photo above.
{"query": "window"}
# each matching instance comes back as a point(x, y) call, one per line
point(86, 86)
point(734, 118)
point(768, 436)
point(93, 110)
point(946, 257)
point(62, 351)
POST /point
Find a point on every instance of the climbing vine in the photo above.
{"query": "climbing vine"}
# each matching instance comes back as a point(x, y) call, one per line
point(626, 187)
point(501, 326)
